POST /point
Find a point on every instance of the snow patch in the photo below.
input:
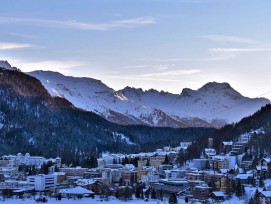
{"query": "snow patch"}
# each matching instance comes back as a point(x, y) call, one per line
point(122, 137)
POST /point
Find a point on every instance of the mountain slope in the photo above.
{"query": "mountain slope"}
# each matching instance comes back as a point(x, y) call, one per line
point(257, 126)
point(33, 121)
point(213, 105)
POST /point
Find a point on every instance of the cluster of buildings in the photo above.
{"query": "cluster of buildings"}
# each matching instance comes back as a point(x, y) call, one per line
point(212, 176)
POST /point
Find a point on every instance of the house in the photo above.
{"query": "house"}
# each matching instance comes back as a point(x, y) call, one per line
point(264, 167)
point(169, 185)
point(76, 192)
point(200, 164)
point(90, 174)
point(150, 178)
point(25, 159)
point(130, 177)
point(42, 182)
point(218, 196)
point(90, 184)
point(238, 148)
point(201, 192)
point(212, 177)
point(60, 177)
point(77, 171)
point(209, 152)
point(219, 162)
point(224, 184)
point(265, 196)
point(226, 147)
point(9, 172)
point(245, 178)
point(195, 176)
point(116, 175)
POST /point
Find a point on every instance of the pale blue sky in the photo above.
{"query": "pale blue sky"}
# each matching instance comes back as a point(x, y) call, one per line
point(162, 44)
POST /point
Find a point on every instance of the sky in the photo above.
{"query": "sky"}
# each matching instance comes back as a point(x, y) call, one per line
point(162, 44)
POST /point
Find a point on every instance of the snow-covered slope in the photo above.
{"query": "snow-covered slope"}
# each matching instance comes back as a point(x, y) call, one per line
point(6, 65)
point(212, 105)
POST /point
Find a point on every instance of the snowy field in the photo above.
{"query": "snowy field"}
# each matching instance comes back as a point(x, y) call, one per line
point(85, 201)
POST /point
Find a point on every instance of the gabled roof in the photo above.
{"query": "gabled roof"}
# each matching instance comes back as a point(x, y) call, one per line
point(218, 194)
point(243, 176)
point(77, 190)
point(268, 160)
point(266, 194)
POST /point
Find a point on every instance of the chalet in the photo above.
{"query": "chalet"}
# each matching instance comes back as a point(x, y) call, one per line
point(264, 167)
point(245, 178)
point(226, 147)
point(265, 196)
point(201, 192)
point(76, 192)
point(218, 196)
point(90, 184)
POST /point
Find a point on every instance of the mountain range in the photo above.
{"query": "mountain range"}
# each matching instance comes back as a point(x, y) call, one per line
point(33, 121)
point(213, 105)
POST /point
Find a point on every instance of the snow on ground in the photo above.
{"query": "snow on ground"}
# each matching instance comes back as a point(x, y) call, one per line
point(87, 200)
point(233, 200)
point(267, 184)
point(122, 137)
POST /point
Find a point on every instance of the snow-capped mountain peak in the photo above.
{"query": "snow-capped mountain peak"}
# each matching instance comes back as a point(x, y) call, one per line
point(212, 105)
point(4, 64)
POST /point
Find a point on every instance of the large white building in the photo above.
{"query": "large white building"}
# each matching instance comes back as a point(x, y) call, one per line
point(9, 172)
point(25, 159)
point(42, 182)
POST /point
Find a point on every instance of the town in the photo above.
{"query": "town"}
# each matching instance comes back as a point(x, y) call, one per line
point(159, 175)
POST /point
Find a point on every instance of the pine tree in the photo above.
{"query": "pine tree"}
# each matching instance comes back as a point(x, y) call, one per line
point(256, 197)
point(251, 201)
point(161, 195)
point(166, 160)
point(137, 192)
point(172, 199)
point(117, 194)
point(239, 189)
point(153, 194)
point(33, 170)
point(59, 197)
point(261, 182)
point(142, 194)
point(147, 193)
point(148, 162)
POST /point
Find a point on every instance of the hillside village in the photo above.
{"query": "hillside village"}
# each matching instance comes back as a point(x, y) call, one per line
point(214, 177)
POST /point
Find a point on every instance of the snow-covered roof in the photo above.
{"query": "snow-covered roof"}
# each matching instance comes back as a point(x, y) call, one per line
point(224, 171)
point(267, 160)
point(219, 193)
point(219, 157)
point(228, 143)
point(243, 176)
point(210, 151)
point(77, 190)
point(266, 194)
point(84, 182)
point(129, 166)
point(59, 173)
